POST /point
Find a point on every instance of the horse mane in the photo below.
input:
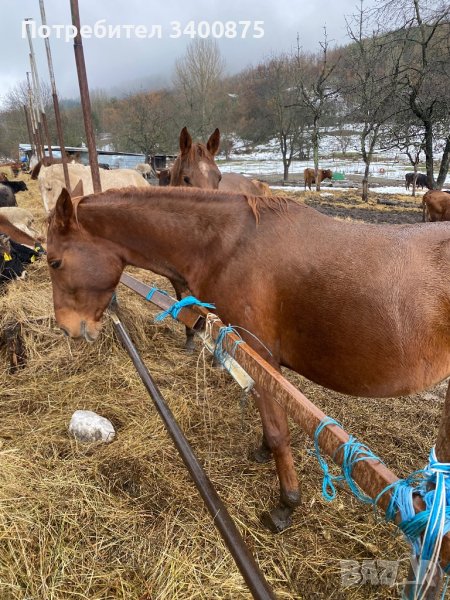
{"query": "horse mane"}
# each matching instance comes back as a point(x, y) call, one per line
point(187, 160)
point(258, 204)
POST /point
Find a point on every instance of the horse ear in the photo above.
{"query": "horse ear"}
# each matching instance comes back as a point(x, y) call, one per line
point(214, 142)
point(63, 209)
point(185, 141)
point(78, 189)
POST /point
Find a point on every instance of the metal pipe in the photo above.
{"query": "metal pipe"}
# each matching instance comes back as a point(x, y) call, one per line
point(38, 88)
point(244, 560)
point(36, 107)
point(58, 121)
point(33, 118)
point(30, 133)
point(85, 99)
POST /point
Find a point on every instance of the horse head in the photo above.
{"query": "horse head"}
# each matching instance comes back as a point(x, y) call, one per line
point(195, 165)
point(84, 272)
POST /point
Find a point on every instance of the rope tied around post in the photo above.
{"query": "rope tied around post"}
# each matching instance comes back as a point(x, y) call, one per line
point(174, 310)
point(432, 484)
point(353, 452)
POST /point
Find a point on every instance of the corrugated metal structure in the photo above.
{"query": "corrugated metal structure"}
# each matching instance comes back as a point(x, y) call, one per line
point(115, 160)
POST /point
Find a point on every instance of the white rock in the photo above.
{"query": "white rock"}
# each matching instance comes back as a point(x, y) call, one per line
point(88, 426)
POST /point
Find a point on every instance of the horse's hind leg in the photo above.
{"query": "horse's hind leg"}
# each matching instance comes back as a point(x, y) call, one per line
point(277, 440)
point(443, 437)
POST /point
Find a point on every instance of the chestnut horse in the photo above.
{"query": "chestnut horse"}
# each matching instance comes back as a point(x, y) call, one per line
point(357, 308)
point(195, 165)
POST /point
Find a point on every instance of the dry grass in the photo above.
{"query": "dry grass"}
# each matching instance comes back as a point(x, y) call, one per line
point(123, 521)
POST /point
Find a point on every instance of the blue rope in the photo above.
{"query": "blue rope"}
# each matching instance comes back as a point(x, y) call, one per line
point(353, 453)
point(432, 484)
point(220, 353)
point(152, 290)
point(174, 310)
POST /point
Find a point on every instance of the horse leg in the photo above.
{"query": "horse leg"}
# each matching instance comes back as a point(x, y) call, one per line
point(277, 440)
point(263, 453)
point(190, 333)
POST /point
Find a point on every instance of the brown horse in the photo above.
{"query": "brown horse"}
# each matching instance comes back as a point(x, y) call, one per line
point(195, 165)
point(309, 176)
point(361, 309)
point(436, 206)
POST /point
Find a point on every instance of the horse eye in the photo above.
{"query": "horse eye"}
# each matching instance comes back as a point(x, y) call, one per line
point(55, 264)
point(187, 180)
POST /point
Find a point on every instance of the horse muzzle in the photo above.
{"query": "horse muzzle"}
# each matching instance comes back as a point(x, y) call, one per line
point(89, 334)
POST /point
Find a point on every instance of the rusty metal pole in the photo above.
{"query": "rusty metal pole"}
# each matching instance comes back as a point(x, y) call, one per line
point(36, 108)
point(245, 562)
point(30, 133)
point(38, 88)
point(58, 121)
point(33, 118)
point(85, 99)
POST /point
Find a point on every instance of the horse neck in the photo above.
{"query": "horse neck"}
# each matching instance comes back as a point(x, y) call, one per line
point(165, 235)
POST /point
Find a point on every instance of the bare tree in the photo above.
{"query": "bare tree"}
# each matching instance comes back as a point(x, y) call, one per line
point(371, 93)
point(424, 29)
point(317, 91)
point(408, 138)
point(198, 75)
point(284, 110)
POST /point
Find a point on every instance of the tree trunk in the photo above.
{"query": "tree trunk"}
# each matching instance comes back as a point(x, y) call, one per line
point(429, 161)
point(285, 171)
point(445, 163)
point(415, 179)
point(365, 183)
point(315, 145)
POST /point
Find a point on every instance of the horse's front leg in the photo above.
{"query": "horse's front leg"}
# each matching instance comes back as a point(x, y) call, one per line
point(190, 333)
point(277, 441)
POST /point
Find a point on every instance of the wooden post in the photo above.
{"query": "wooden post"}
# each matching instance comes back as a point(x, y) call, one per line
point(85, 99)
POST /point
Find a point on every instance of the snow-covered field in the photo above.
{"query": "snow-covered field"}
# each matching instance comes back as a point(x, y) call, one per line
point(266, 160)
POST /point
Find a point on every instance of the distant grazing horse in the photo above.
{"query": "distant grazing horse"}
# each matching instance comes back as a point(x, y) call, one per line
point(421, 180)
point(436, 206)
point(360, 309)
point(310, 176)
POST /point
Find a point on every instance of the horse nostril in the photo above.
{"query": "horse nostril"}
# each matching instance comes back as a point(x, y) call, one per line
point(65, 332)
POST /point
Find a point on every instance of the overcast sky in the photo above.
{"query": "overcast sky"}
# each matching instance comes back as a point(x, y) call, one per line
point(130, 64)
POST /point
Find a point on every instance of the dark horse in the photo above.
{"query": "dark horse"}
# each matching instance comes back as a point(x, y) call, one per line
point(361, 309)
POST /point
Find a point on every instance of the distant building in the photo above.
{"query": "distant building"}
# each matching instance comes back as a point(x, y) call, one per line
point(115, 160)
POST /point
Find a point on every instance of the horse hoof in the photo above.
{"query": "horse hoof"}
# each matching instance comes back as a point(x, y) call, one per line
point(261, 455)
point(278, 519)
point(189, 347)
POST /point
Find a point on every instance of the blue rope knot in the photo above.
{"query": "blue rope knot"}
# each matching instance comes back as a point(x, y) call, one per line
point(220, 353)
point(174, 310)
point(353, 453)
